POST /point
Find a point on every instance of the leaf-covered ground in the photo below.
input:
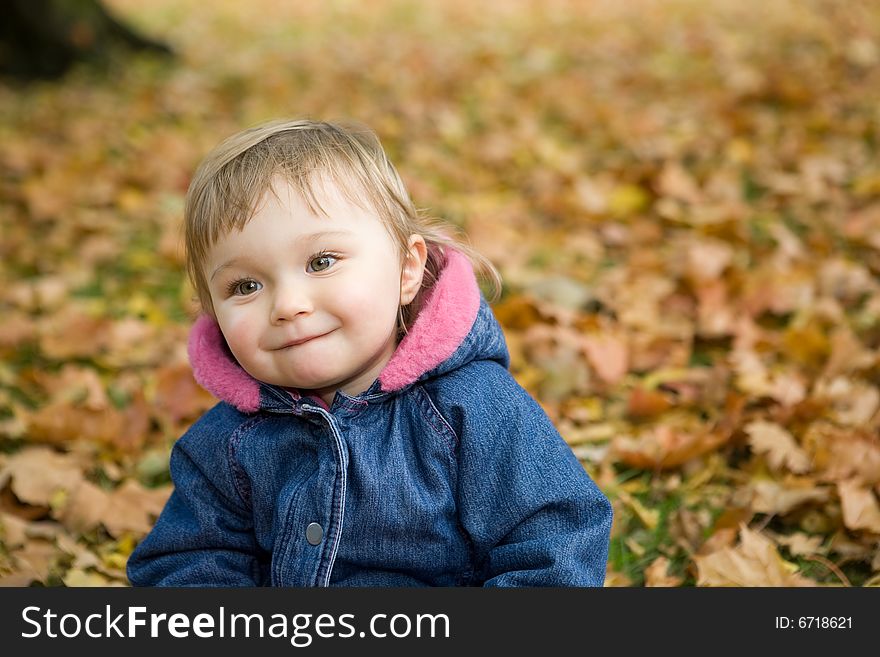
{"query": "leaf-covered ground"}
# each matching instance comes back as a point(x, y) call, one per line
point(683, 198)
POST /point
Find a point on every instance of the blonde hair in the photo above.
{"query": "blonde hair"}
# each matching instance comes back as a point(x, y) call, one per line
point(233, 178)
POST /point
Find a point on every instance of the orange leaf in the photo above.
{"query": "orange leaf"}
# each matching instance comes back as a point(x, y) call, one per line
point(608, 355)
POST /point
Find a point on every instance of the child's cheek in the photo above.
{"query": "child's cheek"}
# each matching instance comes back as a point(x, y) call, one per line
point(371, 308)
point(240, 334)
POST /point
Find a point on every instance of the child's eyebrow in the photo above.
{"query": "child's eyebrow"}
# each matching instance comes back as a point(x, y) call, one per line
point(302, 239)
point(311, 237)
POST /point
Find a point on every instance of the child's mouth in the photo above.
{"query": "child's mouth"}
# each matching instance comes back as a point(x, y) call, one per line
point(301, 341)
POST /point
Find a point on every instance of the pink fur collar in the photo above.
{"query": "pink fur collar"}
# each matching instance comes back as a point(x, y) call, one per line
point(442, 324)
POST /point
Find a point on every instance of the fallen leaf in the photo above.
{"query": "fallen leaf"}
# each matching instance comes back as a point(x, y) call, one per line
point(778, 498)
point(778, 445)
point(85, 508)
point(74, 333)
point(801, 544)
point(12, 530)
point(77, 577)
point(133, 508)
point(666, 446)
point(37, 473)
point(657, 574)
point(608, 355)
point(178, 397)
point(754, 562)
point(860, 507)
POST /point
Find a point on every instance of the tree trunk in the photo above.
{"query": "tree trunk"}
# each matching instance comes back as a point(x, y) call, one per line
point(43, 38)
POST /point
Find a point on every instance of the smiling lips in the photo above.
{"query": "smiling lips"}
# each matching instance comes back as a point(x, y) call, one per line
point(296, 343)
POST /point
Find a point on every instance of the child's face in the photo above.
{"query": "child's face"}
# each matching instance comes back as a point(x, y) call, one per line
point(308, 301)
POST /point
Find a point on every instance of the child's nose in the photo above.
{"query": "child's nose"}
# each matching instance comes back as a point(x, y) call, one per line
point(288, 303)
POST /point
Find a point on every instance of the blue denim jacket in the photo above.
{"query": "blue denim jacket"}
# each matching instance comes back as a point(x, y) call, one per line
point(445, 472)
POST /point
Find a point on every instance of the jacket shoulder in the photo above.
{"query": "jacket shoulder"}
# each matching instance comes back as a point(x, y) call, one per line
point(206, 450)
point(214, 427)
point(486, 388)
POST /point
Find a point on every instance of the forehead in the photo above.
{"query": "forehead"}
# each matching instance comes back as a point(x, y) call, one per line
point(286, 215)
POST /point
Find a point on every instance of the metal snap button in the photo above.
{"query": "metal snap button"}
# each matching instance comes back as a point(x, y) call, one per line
point(314, 533)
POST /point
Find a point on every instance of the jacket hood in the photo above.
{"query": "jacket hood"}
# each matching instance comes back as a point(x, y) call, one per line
point(454, 327)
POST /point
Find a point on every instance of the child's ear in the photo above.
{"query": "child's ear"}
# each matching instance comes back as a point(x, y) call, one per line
point(413, 269)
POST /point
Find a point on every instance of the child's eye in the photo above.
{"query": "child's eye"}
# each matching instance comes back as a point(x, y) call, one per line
point(244, 287)
point(321, 262)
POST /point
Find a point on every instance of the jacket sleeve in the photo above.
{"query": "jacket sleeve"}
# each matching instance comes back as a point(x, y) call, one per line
point(533, 514)
point(204, 535)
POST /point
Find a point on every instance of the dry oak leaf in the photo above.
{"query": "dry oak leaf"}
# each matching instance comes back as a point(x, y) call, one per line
point(707, 259)
point(85, 507)
point(38, 473)
point(133, 508)
point(855, 403)
point(178, 396)
point(608, 355)
point(778, 498)
point(800, 543)
point(666, 446)
point(845, 453)
point(860, 507)
point(657, 574)
point(129, 508)
point(73, 333)
point(754, 562)
point(13, 530)
point(778, 445)
point(62, 422)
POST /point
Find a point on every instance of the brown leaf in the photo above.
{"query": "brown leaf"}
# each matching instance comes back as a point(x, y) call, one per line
point(800, 543)
point(16, 329)
point(34, 560)
point(608, 355)
point(61, 422)
point(778, 445)
point(666, 446)
point(775, 497)
point(677, 183)
point(754, 562)
point(73, 333)
point(85, 508)
point(715, 316)
point(12, 530)
point(707, 259)
point(860, 507)
point(133, 508)
point(657, 574)
point(855, 403)
point(517, 313)
point(848, 354)
point(38, 473)
point(75, 385)
point(178, 396)
point(644, 403)
point(842, 453)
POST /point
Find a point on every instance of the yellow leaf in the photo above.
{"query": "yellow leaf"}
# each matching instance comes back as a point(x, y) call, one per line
point(649, 517)
point(627, 200)
point(77, 577)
